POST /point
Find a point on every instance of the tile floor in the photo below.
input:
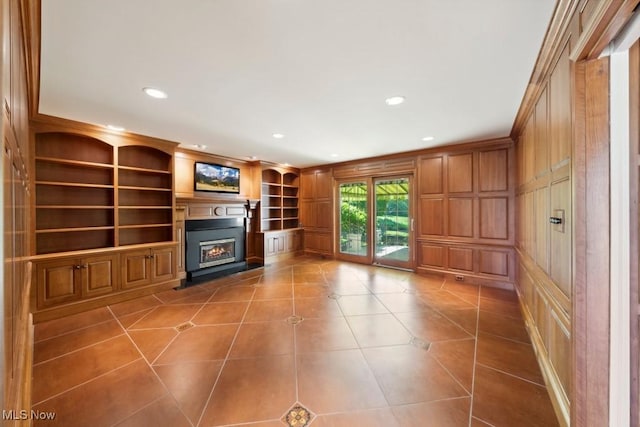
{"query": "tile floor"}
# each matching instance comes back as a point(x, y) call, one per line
point(305, 343)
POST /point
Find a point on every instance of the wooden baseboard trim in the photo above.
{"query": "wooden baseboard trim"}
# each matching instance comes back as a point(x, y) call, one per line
point(468, 277)
point(103, 301)
point(559, 398)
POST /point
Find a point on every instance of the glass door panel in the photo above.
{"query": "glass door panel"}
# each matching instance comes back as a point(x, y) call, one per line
point(353, 218)
point(393, 222)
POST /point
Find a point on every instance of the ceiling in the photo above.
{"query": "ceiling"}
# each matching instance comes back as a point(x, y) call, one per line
point(318, 72)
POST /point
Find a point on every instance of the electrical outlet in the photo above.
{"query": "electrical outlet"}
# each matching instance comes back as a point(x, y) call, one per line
point(459, 278)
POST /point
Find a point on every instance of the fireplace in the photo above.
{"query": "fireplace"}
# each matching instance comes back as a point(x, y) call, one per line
point(214, 247)
point(216, 252)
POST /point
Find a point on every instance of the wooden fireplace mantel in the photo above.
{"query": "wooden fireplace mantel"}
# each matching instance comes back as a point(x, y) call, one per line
point(211, 209)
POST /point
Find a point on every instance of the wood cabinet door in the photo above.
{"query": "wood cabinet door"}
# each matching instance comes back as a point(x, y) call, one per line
point(271, 246)
point(275, 244)
point(58, 282)
point(99, 275)
point(163, 264)
point(293, 241)
point(136, 268)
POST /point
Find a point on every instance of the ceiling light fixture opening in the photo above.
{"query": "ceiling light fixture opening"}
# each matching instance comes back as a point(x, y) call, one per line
point(394, 100)
point(278, 135)
point(428, 138)
point(155, 93)
point(199, 146)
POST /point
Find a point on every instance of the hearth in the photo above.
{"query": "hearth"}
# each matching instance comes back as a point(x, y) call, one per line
point(214, 247)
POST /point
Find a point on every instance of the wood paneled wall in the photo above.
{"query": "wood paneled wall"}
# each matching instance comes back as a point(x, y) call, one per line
point(316, 210)
point(17, 330)
point(549, 183)
point(464, 207)
point(184, 173)
point(545, 250)
point(466, 213)
point(562, 134)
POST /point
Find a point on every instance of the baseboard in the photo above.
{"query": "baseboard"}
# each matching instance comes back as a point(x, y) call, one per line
point(557, 394)
point(102, 301)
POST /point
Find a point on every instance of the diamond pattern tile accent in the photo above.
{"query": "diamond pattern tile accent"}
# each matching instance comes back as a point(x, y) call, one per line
point(417, 342)
point(294, 320)
point(298, 416)
point(184, 326)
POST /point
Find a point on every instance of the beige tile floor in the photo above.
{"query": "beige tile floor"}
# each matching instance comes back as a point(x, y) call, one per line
point(350, 345)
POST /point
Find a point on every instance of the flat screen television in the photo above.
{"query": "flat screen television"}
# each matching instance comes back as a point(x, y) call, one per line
point(216, 178)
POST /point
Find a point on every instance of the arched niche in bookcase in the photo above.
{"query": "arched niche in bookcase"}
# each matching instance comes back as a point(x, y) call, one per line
point(92, 194)
point(74, 193)
point(279, 199)
point(145, 195)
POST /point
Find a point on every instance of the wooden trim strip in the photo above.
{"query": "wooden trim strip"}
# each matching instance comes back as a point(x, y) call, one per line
point(590, 319)
point(608, 19)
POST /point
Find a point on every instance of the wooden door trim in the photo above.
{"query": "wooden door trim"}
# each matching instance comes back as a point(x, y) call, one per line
point(591, 311)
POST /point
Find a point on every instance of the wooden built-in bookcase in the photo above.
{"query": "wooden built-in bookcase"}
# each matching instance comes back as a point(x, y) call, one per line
point(279, 234)
point(74, 193)
point(86, 199)
point(145, 197)
point(279, 199)
point(103, 208)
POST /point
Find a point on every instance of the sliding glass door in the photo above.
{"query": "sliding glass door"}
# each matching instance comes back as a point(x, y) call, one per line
point(375, 221)
point(354, 218)
point(393, 222)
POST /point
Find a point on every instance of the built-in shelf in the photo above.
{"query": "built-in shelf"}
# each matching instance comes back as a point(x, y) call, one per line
point(91, 194)
point(279, 200)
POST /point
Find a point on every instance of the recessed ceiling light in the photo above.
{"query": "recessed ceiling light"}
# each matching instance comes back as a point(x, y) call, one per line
point(115, 128)
point(334, 155)
point(199, 146)
point(394, 100)
point(278, 135)
point(155, 93)
point(253, 157)
point(428, 138)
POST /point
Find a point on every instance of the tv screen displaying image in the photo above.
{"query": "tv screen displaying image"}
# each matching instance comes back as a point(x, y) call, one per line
point(216, 178)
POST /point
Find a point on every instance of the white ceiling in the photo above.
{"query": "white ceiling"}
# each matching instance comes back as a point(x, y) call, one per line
point(317, 71)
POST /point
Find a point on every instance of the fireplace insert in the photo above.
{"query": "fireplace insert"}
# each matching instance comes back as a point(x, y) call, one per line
point(214, 247)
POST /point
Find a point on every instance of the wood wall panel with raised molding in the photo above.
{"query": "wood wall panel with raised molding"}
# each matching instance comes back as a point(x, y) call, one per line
point(316, 210)
point(544, 250)
point(466, 208)
point(16, 92)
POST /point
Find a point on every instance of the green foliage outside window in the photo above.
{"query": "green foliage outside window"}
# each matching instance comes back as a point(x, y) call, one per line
point(353, 220)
